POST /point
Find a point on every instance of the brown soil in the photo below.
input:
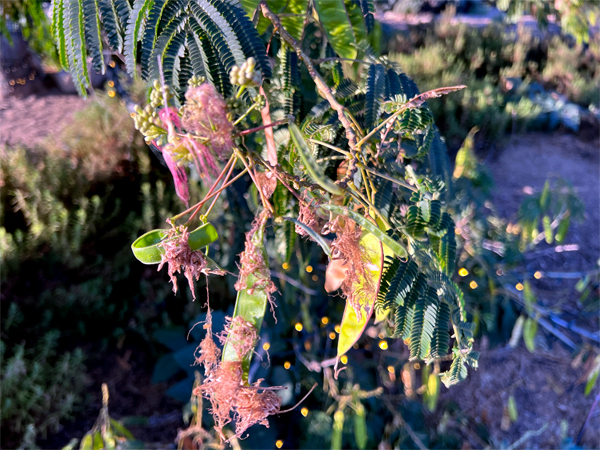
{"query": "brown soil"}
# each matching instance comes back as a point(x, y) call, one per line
point(548, 385)
point(27, 121)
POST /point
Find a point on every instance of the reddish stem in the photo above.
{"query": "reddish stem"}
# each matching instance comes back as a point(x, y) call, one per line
point(262, 127)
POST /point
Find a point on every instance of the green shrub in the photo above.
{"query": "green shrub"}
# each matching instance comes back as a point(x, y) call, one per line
point(489, 61)
point(41, 386)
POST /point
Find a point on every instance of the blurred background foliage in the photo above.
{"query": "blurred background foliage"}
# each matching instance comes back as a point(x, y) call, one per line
point(74, 302)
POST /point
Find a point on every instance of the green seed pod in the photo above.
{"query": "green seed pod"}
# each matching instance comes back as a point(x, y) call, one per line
point(147, 250)
point(360, 427)
point(337, 430)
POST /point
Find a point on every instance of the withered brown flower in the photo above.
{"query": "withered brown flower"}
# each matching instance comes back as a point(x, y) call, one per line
point(179, 256)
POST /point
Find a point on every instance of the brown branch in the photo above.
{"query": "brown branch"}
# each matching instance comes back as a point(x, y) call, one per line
point(324, 90)
point(266, 117)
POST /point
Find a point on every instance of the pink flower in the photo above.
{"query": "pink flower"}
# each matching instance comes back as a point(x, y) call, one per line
point(170, 113)
point(203, 159)
point(205, 114)
point(179, 175)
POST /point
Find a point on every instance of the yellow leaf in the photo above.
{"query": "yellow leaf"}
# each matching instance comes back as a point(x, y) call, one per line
point(352, 326)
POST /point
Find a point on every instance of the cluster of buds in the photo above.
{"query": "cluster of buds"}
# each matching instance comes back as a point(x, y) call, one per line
point(157, 94)
point(195, 81)
point(246, 75)
point(148, 123)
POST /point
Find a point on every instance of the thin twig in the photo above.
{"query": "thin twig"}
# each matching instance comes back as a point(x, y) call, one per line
point(393, 180)
point(262, 127)
point(321, 86)
point(527, 436)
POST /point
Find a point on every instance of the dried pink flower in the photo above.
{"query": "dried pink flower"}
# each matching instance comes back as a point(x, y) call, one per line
point(226, 390)
point(252, 262)
point(205, 114)
point(346, 247)
point(308, 216)
point(179, 256)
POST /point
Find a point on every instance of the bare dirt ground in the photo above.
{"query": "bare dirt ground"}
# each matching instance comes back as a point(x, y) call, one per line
point(29, 120)
point(548, 386)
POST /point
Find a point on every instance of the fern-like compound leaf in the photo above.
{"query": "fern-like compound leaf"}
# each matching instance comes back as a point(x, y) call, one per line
point(447, 250)
point(151, 30)
point(401, 283)
point(403, 318)
point(390, 268)
point(93, 35)
point(134, 31)
point(367, 10)
point(123, 10)
point(439, 342)
point(76, 45)
point(220, 33)
point(456, 373)
point(198, 58)
point(110, 22)
point(423, 324)
point(376, 87)
point(58, 31)
point(246, 33)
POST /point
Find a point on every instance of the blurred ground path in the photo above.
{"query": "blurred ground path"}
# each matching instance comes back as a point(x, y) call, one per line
point(548, 385)
point(525, 165)
point(29, 120)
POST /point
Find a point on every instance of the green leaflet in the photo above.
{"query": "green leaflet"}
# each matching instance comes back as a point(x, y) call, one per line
point(58, 30)
point(353, 324)
point(355, 14)
point(135, 28)
point(440, 338)
point(456, 373)
point(92, 33)
point(563, 227)
point(285, 238)
point(111, 24)
point(393, 245)
point(401, 283)
point(376, 93)
point(147, 250)
point(337, 27)
point(423, 324)
point(433, 389)
point(529, 332)
point(76, 55)
point(548, 231)
point(251, 305)
point(87, 442)
point(309, 162)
